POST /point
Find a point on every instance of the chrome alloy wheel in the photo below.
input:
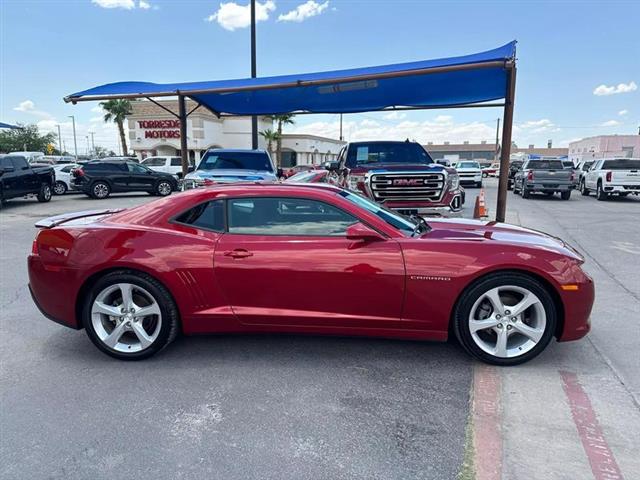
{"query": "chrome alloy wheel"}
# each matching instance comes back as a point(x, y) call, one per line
point(507, 321)
point(164, 188)
point(126, 318)
point(100, 190)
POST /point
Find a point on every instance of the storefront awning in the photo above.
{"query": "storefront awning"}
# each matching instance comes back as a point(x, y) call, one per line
point(7, 125)
point(447, 82)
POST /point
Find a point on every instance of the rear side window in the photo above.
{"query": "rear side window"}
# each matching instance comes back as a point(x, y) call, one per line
point(153, 162)
point(286, 216)
point(105, 167)
point(545, 165)
point(621, 164)
point(208, 216)
point(176, 161)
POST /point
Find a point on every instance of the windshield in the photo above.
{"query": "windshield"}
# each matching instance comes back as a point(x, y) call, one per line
point(545, 165)
point(392, 218)
point(621, 164)
point(468, 165)
point(236, 161)
point(386, 152)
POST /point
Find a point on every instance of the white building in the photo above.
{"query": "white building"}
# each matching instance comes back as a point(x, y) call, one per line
point(154, 131)
point(604, 146)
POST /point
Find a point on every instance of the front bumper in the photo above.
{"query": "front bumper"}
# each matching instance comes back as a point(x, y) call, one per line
point(449, 206)
point(577, 305)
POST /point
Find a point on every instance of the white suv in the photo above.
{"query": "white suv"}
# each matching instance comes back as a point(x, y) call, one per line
point(172, 165)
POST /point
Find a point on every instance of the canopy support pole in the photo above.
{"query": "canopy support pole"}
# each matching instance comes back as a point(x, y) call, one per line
point(505, 153)
point(184, 153)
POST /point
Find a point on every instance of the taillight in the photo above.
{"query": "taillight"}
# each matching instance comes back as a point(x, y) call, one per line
point(530, 175)
point(572, 178)
point(608, 176)
point(34, 247)
point(78, 172)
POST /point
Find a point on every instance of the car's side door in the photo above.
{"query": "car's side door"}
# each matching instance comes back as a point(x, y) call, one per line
point(287, 261)
point(591, 177)
point(140, 177)
point(26, 180)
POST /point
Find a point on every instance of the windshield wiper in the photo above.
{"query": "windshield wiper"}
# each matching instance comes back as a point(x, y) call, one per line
point(421, 225)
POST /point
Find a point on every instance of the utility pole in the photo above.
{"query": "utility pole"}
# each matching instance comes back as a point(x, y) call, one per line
point(497, 137)
point(93, 143)
point(87, 138)
point(254, 118)
point(75, 142)
point(60, 141)
point(341, 128)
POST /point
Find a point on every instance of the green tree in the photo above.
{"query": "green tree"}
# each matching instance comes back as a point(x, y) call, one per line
point(28, 138)
point(281, 120)
point(270, 136)
point(117, 111)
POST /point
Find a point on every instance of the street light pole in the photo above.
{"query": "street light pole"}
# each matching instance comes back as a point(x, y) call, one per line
point(93, 143)
point(254, 118)
point(60, 141)
point(75, 142)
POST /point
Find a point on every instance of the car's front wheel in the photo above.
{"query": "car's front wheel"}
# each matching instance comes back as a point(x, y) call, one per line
point(60, 188)
point(505, 318)
point(130, 316)
point(584, 191)
point(44, 195)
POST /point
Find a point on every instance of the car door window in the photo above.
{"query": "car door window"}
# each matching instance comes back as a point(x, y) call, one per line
point(286, 216)
point(5, 162)
point(207, 216)
point(19, 163)
point(137, 168)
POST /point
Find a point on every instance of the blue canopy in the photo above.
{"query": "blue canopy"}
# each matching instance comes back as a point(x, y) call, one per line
point(7, 125)
point(445, 82)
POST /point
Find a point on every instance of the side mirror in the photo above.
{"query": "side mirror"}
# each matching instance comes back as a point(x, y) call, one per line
point(333, 166)
point(191, 168)
point(359, 231)
point(280, 172)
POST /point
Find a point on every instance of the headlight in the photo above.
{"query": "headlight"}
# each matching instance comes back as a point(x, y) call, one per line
point(356, 182)
point(453, 181)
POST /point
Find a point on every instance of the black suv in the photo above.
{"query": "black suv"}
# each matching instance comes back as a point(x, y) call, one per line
point(99, 178)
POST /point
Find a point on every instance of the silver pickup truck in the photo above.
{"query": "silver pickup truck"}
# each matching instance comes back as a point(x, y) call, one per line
point(546, 176)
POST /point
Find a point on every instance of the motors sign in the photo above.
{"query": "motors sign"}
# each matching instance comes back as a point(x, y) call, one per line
point(160, 128)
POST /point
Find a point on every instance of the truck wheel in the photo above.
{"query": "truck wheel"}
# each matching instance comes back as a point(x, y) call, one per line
point(515, 189)
point(509, 185)
point(479, 184)
point(565, 195)
point(100, 190)
point(525, 192)
point(583, 189)
point(44, 195)
point(60, 188)
point(600, 193)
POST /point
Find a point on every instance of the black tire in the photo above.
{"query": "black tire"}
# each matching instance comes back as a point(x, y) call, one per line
point(100, 190)
point(600, 193)
point(163, 188)
point(584, 191)
point(565, 195)
point(509, 185)
point(515, 190)
point(525, 192)
point(485, 175)
point(170, 317)
point(59, 188)
point(462, 310)
point(479, 184)
point(44, 195)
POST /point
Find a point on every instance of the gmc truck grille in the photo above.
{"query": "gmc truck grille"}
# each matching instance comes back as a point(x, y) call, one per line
point(407, 186)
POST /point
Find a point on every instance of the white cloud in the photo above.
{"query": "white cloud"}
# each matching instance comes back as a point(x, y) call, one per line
point(303, 11)
point(144, 5)
point(126, 4)
point(232, 16)
point(610, 123)
point(535, 126)
point(603, 90)
point(29, 107)
point(623, 112)
point(395, 116)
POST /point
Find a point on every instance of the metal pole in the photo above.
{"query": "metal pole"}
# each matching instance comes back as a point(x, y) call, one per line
point(497, 137)
point(254, 118)
point(60, 141)
point(75, 141)
point(88, 151)
point(93, 143)
point(341, 127)
point(184, 153)
point(501, 208)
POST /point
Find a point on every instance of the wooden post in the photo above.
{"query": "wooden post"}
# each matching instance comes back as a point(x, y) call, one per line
point(501, 208)
point(184, 152)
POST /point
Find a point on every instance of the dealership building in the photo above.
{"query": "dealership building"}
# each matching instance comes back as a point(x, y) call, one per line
point(154, 131)
point(603, 146)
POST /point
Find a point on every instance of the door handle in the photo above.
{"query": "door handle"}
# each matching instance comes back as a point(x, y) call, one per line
point(238, 253)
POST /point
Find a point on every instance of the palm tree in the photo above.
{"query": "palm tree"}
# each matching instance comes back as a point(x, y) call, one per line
point(284, 119)
point(117, 111)
point(270, 136)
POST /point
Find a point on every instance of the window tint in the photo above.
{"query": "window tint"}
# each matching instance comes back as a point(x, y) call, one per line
point(176, 161)
point(209, 215)
point(19, 163)
point(6, 162)
point(386, 152)
point(545, 165)
point(68, 168)
point(137, 168)
point(240, 160)
point(105, 167)
point(621, 164)
point(287, 216)
point(154, 162)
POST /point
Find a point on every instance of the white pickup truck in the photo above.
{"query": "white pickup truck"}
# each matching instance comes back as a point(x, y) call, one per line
point(612, 176)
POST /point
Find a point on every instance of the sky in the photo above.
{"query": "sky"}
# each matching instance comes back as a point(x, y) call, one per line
point(578, 61)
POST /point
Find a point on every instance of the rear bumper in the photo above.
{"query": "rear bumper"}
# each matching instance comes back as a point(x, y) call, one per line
point(541, 187)
point(635, 189)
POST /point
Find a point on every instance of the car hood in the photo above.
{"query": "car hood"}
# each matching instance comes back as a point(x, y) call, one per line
point(397, 167)
point(477, 230)
point(231, 175)
point(468, 170)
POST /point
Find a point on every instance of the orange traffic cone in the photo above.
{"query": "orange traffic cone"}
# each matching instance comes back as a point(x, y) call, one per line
point(480, 208)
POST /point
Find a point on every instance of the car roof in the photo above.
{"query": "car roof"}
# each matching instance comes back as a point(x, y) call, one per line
point(381, 141)
point(236, 150)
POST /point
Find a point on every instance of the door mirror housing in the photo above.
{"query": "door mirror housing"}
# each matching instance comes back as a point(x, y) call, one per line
point(333, 166)
point(360, 231)
point(280, 172)
point(191, 169)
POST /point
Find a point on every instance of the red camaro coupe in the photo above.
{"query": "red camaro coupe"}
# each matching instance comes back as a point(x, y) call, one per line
point(306, 258)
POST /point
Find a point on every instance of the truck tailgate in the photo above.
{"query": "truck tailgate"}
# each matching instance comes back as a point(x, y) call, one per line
point(552, 176)
point(625, 177)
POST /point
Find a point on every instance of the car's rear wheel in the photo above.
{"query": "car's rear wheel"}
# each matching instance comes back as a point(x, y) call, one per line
point(60, 188)
point(130, 316)
point(505, 318)
point(163, 188)
point(44, 195)
point(600, 193)
point(565, 195)
point(100, 190)
point(583, 189)
point(525, 192)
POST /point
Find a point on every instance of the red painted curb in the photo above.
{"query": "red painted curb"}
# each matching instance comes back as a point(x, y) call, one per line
point(603, 463)
point(487, 438)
